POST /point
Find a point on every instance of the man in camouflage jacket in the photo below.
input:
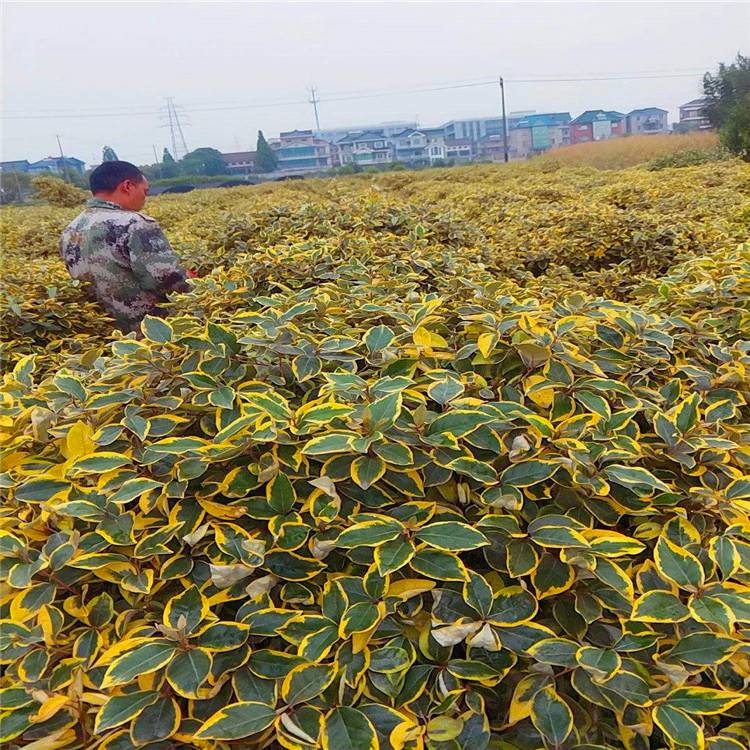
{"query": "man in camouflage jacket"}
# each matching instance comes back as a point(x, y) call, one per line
point(122, 254)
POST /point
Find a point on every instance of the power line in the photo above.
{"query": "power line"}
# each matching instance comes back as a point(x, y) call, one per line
point(371, 94)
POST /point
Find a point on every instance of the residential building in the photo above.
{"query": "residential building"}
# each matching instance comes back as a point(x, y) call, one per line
point(369, 148)
point(597, 125)
point(474, 129)
point(20, 165)
point(692, 116)
point(410, 146)
point(547, 130)
point(301, 151)
point(388, 129)
point(57, 165)
point(646, 121)
point(239, 162)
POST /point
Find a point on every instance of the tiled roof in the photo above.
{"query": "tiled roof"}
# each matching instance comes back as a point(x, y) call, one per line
point(369, 135)
point(696, 102)
point(540, 120)
point(239, 156)
point(592, 115)
point(648, 111)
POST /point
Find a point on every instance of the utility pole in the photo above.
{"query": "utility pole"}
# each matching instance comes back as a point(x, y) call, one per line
point(505, 121)
point(62, 159)
point(314, 101)
point(156, 156)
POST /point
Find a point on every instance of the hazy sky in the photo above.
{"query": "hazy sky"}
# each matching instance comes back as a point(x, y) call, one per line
point(123, 59)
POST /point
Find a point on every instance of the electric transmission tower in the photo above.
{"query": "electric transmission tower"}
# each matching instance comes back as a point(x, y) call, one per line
point(175, 130)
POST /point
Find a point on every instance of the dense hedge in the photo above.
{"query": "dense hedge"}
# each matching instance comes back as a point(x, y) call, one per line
point(364, 490)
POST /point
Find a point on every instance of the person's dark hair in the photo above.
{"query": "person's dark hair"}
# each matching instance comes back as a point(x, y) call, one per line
point(109, 174)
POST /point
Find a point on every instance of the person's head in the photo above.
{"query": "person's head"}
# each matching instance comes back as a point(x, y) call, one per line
point(120, 182)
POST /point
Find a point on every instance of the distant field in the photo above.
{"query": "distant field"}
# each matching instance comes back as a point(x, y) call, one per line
point(619, 153)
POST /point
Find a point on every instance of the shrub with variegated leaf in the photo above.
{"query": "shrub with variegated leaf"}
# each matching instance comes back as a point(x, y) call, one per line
point(381, 506)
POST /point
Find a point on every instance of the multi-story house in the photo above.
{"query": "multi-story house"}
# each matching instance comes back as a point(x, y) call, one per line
point(597, 125)
point(646, 121)
point(473, 129)
point(367, 149)
point(692, 115)
point(410, 146)
point(388, 129)
point(301, 151)
point(239, 162)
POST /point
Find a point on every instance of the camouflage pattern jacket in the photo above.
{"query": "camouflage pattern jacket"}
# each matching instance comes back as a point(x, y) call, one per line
point(126, 259)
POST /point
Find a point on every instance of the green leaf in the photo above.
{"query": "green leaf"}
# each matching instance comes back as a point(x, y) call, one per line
point(370, 533)
point(478, 470)
point(346, 727)
point(384, 411)
point(704, 649)
point(551, 716)
point(306, 682)
point(528, 473)
point(143, 659)
point(331, 443)
point(678, 565)
point(442, 566)
point(40, 490)
point(186, 610)
point(559, 652)
point(634, 478)
point(678, 727)
point(188, 670)
point(702, 700)
point(393, 555)
point(366, 470)
point(159, 721)
point(659, 606)
point(280, 494)
point(121, 708)
point(445, 391)
point(222, 636)
point(511, 606)
point(237, 721)
point(378, 338)
point(452, 536)
point(133, 488)
point(601, 663)
point(156, 329)
point(458, 422)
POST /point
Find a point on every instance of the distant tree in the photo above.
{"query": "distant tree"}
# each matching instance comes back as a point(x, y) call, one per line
point(108, 154)
point(728, 106)
point(15, 187)
point(168, 167)
point(202, 161)
point(265, 158)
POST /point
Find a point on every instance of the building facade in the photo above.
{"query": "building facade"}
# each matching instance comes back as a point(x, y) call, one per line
point(301, 151)
point(692, 115)
point(647, 121)
point(597, 125)
point(367, 149)
point(239, 162)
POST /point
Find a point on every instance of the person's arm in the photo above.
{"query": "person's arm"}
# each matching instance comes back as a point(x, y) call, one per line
point(154, 263)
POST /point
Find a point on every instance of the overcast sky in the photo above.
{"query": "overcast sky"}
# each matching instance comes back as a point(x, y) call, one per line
point(123, 59)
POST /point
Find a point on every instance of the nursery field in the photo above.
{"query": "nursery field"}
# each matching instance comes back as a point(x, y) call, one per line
point(449, 459)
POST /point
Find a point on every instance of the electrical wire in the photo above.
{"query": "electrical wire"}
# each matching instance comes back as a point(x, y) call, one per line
point(378, 93)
